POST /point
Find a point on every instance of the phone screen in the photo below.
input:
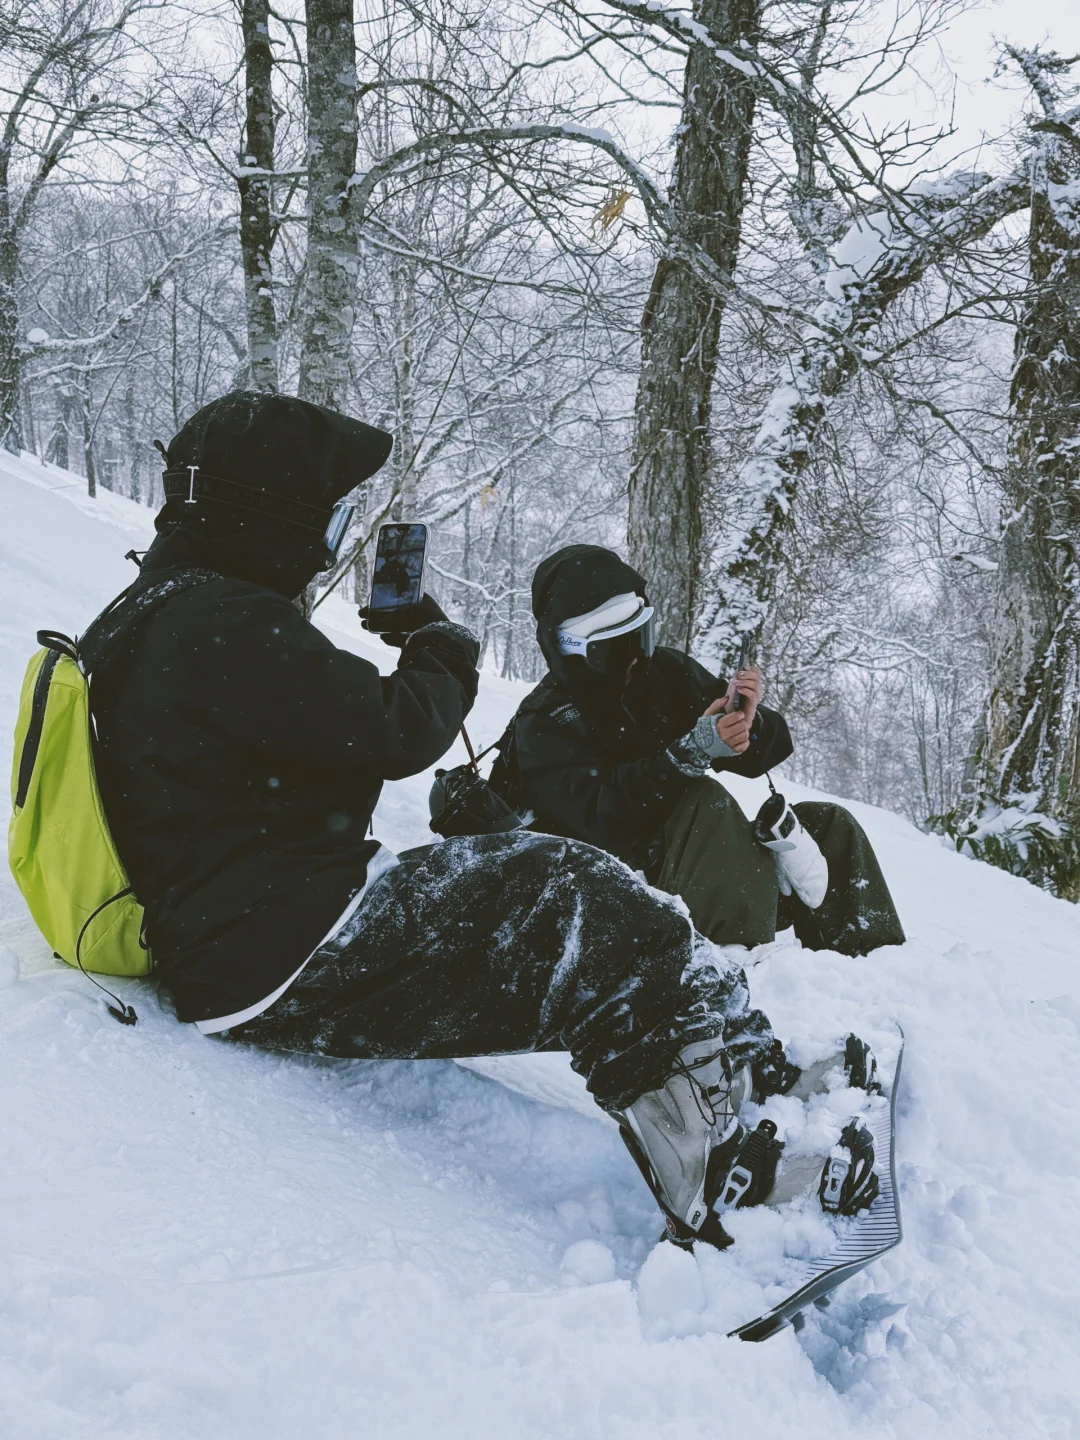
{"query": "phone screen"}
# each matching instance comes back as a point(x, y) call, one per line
point(398, 576)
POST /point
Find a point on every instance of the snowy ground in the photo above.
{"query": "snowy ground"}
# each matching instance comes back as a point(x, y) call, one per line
point(198, 1240)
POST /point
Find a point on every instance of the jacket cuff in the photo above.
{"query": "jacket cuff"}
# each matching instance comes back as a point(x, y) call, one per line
point(687, 756)
point(708, 739)
point(446, 627)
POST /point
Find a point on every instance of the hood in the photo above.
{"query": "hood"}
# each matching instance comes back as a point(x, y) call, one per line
point(574, 581)
point(660, 700)
point(283, 447)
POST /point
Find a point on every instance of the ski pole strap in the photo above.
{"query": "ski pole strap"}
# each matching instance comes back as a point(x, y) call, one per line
point(468, 747)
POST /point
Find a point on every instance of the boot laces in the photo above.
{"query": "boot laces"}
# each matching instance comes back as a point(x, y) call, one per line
point(713, 1101)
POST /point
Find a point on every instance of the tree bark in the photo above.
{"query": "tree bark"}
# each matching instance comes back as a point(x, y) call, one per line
point(680, 326)
point(1032, 745)
point(10, 355)
point(256, 188)
point(89, 458)
point(332, 265)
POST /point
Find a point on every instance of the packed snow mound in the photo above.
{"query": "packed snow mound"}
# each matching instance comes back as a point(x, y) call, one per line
point(202, 1239)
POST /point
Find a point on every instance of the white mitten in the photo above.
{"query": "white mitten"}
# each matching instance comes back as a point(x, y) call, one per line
point(800, 865)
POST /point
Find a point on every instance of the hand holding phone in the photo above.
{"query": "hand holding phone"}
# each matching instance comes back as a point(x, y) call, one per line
point(406, 619)
point(397, 578)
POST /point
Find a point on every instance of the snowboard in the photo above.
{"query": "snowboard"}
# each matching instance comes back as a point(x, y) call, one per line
point(860, 1240)
point(854, 1243)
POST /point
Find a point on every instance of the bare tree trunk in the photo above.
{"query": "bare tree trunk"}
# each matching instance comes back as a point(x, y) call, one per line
point(681, 324)
point(29, 420)
point(256, 196)
point(135, 446)
point(1032, 745)
point(10, 358)
point(88, 436)
point(331, 269)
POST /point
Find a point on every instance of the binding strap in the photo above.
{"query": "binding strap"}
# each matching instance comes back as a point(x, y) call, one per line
point(192, 484)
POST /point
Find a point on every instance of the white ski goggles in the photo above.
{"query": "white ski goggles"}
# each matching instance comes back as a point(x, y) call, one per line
point(612, 651)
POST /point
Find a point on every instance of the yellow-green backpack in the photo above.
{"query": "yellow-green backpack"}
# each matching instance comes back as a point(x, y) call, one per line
point(60, 848)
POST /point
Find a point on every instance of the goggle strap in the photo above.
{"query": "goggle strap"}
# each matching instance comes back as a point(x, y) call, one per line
point(192, 484)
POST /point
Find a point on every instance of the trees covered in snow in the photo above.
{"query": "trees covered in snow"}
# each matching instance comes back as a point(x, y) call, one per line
point(1027, 808)
point(687, 277)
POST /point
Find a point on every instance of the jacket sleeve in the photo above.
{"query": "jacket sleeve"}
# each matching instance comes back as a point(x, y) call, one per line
point(269, 679)
point(608, 805)
point(770, 745)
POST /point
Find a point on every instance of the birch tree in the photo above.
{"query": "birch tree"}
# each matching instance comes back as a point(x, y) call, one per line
point(329, 288)
point(256, 186)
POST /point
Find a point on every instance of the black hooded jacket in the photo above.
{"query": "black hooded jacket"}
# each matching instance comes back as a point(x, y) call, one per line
point(240, 753)
point(590, 759)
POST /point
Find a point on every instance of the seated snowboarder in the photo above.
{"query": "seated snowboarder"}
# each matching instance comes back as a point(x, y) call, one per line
point(240, 757)
point(613, 746)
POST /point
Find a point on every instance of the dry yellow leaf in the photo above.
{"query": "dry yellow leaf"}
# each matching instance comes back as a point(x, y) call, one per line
point(611, 210)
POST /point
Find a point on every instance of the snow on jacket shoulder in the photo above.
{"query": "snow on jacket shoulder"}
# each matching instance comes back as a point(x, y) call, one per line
point(609, 781)
point(241, 756)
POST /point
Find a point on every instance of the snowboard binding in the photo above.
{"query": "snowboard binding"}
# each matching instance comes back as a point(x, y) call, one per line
point(848, 1182)
point(752, 1172)
point(772, 1074)
point(860, 1066)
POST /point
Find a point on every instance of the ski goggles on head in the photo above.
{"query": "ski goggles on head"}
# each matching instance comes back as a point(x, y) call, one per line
point(342, 514)
point(612, 650)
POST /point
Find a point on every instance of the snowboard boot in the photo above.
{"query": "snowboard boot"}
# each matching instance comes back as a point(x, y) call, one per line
point(686, 1139)
point(848, 1182)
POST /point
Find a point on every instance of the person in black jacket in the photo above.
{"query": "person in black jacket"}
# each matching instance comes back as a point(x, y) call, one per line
point(613, 747)
point(240, 757)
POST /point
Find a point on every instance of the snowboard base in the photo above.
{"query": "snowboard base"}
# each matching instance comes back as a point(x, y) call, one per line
point(866, 1237)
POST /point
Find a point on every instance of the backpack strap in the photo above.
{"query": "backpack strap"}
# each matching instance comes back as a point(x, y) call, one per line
point(119, 619)
point(505, 777)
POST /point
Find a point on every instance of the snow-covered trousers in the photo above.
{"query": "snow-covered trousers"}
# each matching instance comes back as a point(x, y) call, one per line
point(499, 944)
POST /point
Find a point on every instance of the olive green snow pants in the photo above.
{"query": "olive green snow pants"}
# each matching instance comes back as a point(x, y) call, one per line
point(728, 881)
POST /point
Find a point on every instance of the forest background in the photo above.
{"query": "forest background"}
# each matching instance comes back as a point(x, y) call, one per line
point(779, 297)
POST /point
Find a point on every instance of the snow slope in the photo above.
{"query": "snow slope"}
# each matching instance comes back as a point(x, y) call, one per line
point(202, 1240)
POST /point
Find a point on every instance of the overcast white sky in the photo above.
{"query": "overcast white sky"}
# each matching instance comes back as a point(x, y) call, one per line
point(970, 48)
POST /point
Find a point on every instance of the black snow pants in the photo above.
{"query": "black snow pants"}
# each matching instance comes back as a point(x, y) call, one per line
point(708, 856)
point(499, 944)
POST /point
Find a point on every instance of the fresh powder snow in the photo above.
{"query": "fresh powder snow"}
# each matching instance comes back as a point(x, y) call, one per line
point(201, 1239)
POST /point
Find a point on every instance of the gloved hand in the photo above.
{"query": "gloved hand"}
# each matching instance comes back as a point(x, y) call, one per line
point(406, 619)
point(450, 646)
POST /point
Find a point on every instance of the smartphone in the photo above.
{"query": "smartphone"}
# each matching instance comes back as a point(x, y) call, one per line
point(397, 578)
point(744, 660)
